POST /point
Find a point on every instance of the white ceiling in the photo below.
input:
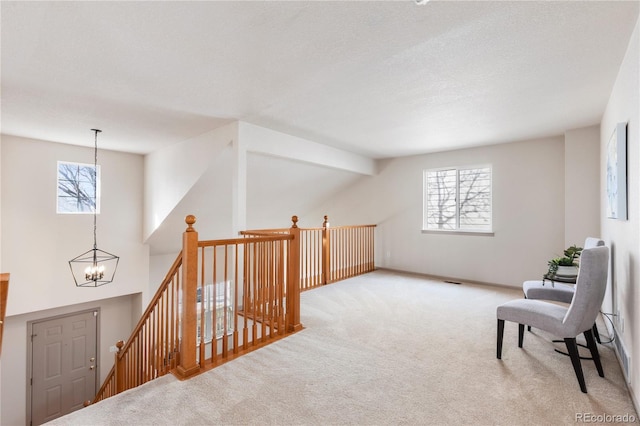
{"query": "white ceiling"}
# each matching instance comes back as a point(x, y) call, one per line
point(383, 79)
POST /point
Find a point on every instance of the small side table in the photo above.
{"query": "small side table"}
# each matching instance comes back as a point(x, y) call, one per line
point(558, 279)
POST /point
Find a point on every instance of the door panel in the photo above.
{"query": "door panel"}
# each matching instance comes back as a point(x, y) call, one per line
point(63, 365)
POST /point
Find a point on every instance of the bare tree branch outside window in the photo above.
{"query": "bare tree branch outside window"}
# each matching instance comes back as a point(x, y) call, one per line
point(76, 183)
point(458, 199)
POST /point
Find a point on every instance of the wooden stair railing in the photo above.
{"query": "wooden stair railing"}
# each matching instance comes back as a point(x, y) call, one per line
point(223, 298)
point(349, 251)
point(4, 293)
point(152, 349)
point(330, 254)
point(220, 299)
point(250, 295)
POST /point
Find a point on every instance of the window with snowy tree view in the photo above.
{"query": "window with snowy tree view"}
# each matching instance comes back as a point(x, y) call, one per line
point(76, 183)
point(457, 199)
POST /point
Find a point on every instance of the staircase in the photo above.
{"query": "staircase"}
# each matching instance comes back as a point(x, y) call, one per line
point(224, 298)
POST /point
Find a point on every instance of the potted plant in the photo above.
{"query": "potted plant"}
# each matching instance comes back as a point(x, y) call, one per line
point(566, 266)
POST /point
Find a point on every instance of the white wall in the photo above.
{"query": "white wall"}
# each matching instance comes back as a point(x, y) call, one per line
point(37, 244)
point(581, 181)
point(528, 214)
point(623, 235)
point(116, 323)
point(170, 173)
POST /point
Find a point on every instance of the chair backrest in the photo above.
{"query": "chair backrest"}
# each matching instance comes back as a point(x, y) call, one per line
point(589, 291)
point(591, 242)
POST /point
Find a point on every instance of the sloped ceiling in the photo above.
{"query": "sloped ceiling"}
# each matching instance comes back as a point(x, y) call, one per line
point(383, 79)
point(277, 189)
point(209, 200)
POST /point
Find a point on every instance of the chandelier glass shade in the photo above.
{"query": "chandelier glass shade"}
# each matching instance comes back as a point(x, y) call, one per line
point(94, 267)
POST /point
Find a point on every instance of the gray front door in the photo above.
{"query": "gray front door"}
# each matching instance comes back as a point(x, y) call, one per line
point(64, 366)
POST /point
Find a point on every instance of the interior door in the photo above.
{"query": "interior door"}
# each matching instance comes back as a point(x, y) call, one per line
point(63, 371)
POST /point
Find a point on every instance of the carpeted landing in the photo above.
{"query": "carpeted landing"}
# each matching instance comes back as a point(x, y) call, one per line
point(380, 349)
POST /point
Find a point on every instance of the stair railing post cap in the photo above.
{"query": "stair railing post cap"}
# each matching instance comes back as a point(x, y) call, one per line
point(190, 220)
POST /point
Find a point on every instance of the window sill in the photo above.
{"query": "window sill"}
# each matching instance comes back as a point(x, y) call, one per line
point(454, 232)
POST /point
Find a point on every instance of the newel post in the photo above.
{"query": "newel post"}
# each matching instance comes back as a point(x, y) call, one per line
point(188, 315)
point(119, 368)
point(293, 282)
point(326, 251)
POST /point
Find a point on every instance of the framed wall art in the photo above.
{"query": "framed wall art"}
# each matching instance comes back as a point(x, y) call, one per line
point(617, 173)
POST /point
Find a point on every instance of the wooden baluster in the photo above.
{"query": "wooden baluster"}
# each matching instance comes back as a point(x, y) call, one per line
point(305, 277)
point(263, 291)
point(235, 298)
point(280, 293)
point(293, 284)
point(254, 293)
point(344, 235)
point(272, 288)
point(354, 251)
point(363, 250)
point(188, 364)
point(326, 251)
point(372, 248)
point(145, 355)
point(214, 308)
point(337, 265)
point(173, 325)
point(4, 292)
point(165, 329)
point(225, 304)
point(203, 301)
point(246, 293)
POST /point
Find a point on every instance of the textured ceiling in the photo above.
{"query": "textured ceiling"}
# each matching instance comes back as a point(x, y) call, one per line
point(382, 79)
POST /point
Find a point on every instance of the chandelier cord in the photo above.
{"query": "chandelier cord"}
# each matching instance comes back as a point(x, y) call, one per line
point(95, 191)
point(94, 267)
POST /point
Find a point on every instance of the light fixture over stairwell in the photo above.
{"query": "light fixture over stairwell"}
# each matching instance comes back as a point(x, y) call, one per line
point(94, 267)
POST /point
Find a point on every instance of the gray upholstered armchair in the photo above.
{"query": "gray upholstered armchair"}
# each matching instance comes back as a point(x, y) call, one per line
point(561, 321)
point(558, 292)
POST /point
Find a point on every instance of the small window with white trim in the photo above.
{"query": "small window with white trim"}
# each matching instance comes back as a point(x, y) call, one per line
point(457, 199)
point(78, 188)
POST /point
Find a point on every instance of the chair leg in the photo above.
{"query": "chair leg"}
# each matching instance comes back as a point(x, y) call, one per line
point(572, 348)
point(596, 333)
point(500, 336)
point(520, 334)
point(528, 327)
point(591, 344)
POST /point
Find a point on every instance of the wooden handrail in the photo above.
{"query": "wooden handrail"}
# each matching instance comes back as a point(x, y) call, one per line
point(259, 232)
point(253, 239)
point(4, 293)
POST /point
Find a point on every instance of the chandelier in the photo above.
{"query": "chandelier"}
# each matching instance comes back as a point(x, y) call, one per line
point(94, 267)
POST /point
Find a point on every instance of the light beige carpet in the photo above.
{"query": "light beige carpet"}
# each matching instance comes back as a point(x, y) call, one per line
point(383, 349)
